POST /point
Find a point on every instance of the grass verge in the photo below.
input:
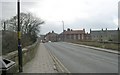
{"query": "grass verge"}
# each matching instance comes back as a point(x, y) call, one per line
point(105, 45)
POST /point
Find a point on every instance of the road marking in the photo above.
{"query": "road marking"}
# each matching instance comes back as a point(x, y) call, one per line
point(61, 64)
point(55, 59)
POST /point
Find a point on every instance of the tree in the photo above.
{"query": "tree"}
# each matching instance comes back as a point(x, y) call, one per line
point(29, 25)
point(29, 30)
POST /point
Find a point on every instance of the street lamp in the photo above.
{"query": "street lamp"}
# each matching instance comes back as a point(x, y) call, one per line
point(63, 29)
point(19, 38)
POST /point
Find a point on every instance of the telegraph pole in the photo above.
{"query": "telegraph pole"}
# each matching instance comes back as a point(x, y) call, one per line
point(63, 29)
point(19, 38)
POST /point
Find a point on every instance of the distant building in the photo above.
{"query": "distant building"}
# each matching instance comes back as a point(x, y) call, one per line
point(94, 35)
point(104, 35)
point(71, 35)
point(42, 37)
point(87, 37)
point(51, 36)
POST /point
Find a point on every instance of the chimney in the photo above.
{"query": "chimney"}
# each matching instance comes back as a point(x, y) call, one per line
point(102, 29)
point(118, 29)
point(52, 31)
point(106, 29)
point(83, 29)
point(90, 30)
point(68, 29)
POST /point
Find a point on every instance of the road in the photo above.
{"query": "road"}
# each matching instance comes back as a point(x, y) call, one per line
point(83, 60)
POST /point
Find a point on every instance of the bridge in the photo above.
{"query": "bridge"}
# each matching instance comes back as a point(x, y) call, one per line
point(63, 57)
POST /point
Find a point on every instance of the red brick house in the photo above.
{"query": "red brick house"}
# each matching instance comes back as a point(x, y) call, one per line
point(70, 35)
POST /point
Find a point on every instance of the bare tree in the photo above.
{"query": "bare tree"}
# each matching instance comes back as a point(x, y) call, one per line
point(29, 24)
point(29, 29)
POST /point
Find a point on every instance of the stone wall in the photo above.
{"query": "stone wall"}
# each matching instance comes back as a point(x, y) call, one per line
point(27, 52)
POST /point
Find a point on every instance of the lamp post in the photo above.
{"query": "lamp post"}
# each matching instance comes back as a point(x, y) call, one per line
point(19, 38)
point(4, 26)
point(63, 29)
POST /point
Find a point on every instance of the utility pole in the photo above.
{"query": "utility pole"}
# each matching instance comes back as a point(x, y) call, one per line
point(63, 29)
point(19, 38)
point(4, 26)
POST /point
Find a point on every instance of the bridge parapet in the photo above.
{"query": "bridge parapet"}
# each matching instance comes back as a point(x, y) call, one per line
point(28, 53)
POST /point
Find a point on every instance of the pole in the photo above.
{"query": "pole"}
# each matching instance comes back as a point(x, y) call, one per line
point(19, 39)
point(4, 26)
point(63, 29)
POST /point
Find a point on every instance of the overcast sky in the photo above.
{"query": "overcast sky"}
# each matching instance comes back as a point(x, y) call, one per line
point(76, 14)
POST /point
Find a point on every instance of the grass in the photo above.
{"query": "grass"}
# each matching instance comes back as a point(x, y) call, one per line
point(112, 46)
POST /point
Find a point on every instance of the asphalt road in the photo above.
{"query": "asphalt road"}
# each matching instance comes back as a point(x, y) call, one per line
point(83, 60)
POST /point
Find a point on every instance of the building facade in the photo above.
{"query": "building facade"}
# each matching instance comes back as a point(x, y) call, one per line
point(51, 36)
point(94, 35)
point(71, 35)
point(104, 35)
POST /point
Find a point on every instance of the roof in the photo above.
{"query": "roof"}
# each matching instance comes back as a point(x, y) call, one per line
point(51, 34)
point(75, 32)
point(94, 31)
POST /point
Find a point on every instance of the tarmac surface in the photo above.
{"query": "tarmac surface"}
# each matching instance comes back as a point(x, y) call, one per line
point(79, 59)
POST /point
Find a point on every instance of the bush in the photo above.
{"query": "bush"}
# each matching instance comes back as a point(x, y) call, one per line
point(10, 41)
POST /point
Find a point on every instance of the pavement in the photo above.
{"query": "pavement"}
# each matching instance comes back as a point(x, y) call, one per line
point(79, 59)
point(41, 63)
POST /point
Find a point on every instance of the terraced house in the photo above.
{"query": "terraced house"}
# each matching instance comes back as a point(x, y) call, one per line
point(104, 35)
point(71, 35)
point(51, 36)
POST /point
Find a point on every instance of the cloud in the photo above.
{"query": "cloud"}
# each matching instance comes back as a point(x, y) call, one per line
point(8, 10)
point(76, 14)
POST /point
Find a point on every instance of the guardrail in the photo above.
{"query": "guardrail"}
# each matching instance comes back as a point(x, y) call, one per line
point(28, 54)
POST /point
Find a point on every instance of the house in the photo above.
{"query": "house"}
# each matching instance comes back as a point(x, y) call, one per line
point(42, 38)
point(51, 36)
point(87, 37)
point(71, 35)
point(104, 35)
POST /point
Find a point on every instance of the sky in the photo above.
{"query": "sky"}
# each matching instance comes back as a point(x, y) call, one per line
point(76, 14)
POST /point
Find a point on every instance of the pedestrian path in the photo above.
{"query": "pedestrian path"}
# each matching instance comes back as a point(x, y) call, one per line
point(41, 63)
